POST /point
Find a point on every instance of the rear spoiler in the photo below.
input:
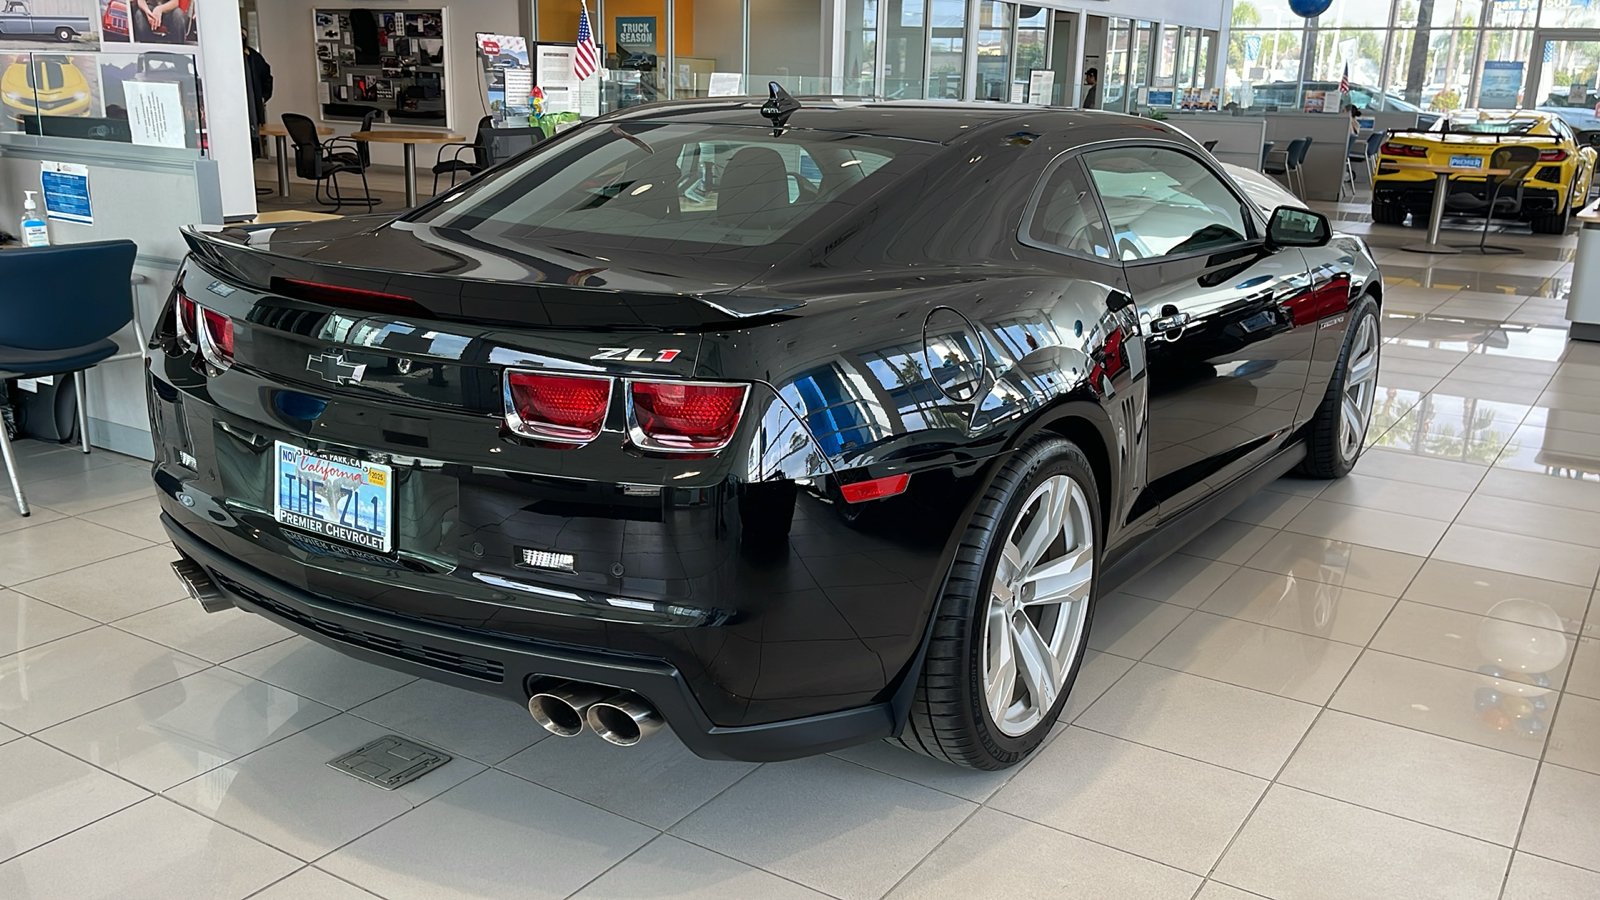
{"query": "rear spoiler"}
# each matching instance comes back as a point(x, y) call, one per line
point(1449, 134)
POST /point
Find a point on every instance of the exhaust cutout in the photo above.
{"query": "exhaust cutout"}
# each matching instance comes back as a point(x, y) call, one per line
point(561, 709)
point(200, 586)
point(624, 719)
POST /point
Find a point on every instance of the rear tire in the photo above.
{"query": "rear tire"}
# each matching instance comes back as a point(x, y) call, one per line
point(64, 34)
point(1388, 213)
point(1337, 433)
point(1018, 600)
point(1556, 223)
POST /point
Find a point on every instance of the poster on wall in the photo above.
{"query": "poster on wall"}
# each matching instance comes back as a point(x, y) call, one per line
point(636, 42)
point(554, 74)
point(147, 21)
point(72, 87)
point(1500, 85)
point(155, 113)
point(1316, 101)
point(66, 192)
point(44, 25)
point(507, 76)
point(1041, 83)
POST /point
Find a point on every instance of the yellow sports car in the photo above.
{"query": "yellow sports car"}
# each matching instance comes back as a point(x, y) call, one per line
point(1555, 187)
point(48, 86)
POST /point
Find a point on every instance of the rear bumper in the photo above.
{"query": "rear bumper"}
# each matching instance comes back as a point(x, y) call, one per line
point(1417, 196)
point(510, 669)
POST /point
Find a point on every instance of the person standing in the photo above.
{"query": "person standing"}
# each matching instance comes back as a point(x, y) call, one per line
point(1091, 93)
point(258, 85)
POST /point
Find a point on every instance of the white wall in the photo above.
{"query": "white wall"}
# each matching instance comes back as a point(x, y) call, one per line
point(288, 46)
point(227, 122)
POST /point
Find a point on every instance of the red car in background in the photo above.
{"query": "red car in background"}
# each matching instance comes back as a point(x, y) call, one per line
point(115, 19)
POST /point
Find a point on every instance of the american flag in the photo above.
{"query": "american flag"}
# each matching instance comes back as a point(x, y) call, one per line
point(1344, 82)
point(587, 59)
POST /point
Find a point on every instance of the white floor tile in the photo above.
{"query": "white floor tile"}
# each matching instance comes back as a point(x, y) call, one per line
point(1449, 784)
point(979, 860)
point(1533, 878)
point(1575, 739)
point(1362, 568)
point(214, 637)
point(1519, 554)
point(828, 824)
point(1525, 642)
point(657, 782)
point(1181, 580)
point(1371, 492)
point(1297, 666)
point(58, 546)
point(1561, 823)
point(172, 733)
point(1584, 677)
point(1300, 846)
point(476, 726)
point(1129, 626)
point(71, 676)
point(1495, 593)
point(97, 489)
point(1098, 673)
point(285, 794)
point(155, 850)
point(47, 793)
point(1238, 728)
point(312, 883)
point(493, 837)
point(1370, 527)
point(113, 589)
point(26, 622)
point(141, 518)
point(1304, 605)
point(670, 869)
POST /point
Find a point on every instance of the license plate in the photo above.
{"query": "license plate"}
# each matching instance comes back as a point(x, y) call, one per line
point(1466, 162)
point(338, 497)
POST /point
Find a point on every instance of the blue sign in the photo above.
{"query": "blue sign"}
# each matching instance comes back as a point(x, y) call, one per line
point(1500, 85)
point(637, 34)
point(1252, 48)
point(66, 192)
point(1158, 98)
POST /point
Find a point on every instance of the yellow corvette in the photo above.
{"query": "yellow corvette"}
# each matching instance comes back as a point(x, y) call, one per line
point(49, 86)
point(1557, 186)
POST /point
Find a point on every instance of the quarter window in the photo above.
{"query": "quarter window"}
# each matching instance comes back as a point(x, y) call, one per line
point(1066, 216)
point(1162, 202)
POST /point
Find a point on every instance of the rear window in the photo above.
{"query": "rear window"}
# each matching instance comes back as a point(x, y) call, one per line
point(677, 187)
point(1487, 126)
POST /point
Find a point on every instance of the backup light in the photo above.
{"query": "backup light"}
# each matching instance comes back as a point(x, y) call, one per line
point(216, 338)
point(684, 416)
point(563, 409)
point(187, 332)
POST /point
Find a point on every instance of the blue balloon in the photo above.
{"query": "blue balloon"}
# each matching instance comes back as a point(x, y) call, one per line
point(1308, 8)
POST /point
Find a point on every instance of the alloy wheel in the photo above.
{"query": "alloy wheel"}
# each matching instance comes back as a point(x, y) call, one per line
point(1360, 387)
point(1038, 605)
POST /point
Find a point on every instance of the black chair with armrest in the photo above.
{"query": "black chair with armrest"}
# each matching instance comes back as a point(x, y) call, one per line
point(481, 158)
point(318, 162)
point(1518, 160)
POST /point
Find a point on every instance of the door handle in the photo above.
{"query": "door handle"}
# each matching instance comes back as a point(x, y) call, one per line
point(1170, 327)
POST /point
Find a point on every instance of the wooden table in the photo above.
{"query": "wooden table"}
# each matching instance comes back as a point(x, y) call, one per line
point(410, 139)
point(1440, 187)
point(282, 134)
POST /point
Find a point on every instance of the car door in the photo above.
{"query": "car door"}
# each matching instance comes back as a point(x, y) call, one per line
point(1228, 322)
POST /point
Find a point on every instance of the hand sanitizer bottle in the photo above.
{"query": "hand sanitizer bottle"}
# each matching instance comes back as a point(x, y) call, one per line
point(34, 231)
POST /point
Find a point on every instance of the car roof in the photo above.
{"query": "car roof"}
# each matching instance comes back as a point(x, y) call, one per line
point(940, 121)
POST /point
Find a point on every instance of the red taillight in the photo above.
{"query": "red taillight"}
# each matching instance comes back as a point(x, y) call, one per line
point(876, 489)
point(1392, 149)
point(186, 320)
point(1552, 155)
point(216, 338)
point(566, 409)
point(684, 416)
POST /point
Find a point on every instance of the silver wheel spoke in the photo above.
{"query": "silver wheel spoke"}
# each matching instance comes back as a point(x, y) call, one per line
point(1036, 664)
point(1001, 684)
point(1364, 368)
point(1047, 523)
point(1064, 580)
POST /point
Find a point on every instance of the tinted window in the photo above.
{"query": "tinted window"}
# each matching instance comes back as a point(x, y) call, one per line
point(1162, 202)
point(676, 188)
point(1066, 216)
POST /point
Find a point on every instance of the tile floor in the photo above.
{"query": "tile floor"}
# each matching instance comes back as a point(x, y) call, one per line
point(1387, 687)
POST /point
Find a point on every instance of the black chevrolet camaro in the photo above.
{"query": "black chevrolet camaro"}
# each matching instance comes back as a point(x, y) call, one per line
point(791, 428)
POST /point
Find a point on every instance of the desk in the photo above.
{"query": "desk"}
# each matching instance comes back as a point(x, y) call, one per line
point(282, 134)
point(1440, 187)
point(1583, 298)
point(410, 139)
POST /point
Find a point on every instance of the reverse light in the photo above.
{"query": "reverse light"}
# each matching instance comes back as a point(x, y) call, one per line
point(563, 409)
point(216, 338)
point(876, 489)
point(1390, 148)
point(684, 416)
point(187, 333)
point(1552, 155)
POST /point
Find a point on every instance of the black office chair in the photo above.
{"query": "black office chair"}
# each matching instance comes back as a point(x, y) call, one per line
point(39, 337)
point(1289, 164)
point(1266, 148)
point(316, 162)
point(481, 158)
point(351, 151)
point(1519, 160)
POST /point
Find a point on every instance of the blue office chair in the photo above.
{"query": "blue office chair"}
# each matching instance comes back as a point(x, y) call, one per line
point(59, 307)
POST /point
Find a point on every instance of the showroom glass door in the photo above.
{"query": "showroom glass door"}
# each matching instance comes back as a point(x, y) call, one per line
point(1562, 74)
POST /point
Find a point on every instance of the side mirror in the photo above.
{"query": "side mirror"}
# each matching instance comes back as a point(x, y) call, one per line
point(1291, 226)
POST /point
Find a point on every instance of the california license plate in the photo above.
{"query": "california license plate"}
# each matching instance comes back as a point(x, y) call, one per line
point(1466, 162)
point(335, 496)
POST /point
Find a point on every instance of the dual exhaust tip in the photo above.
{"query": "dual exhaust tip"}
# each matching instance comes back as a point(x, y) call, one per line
point(619, 717)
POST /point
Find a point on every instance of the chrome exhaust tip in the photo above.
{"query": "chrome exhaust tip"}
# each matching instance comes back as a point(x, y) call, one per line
point(624, 719)
point(200, 586)
point(560, 710)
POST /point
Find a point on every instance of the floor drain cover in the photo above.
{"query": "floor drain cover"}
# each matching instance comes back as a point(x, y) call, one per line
point(389, 762)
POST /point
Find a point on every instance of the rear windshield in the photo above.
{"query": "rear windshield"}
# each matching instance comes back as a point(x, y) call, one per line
point(1488, 126)
point(678, 187)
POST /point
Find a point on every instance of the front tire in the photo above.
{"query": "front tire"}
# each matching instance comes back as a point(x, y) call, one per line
point(64, 35)
point(1009, 632)
point(1337, 432)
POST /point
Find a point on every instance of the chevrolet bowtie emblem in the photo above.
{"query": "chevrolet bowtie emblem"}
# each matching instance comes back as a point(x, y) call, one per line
point(335, 368)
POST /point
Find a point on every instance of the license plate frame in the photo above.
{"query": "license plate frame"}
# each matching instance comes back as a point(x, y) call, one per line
point(313, 490)
point(1466, 162)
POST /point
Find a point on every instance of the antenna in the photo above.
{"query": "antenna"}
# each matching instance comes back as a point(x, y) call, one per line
point(779, 106)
